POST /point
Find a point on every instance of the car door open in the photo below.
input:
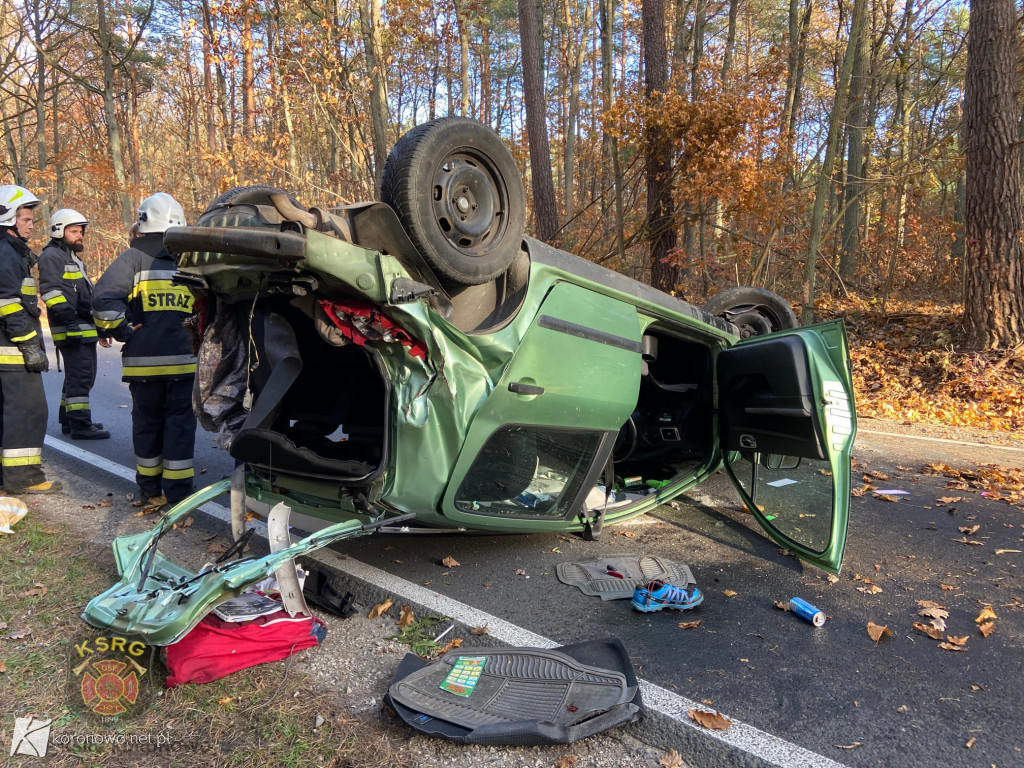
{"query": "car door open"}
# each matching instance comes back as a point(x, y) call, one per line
point(546, 429)
point(787, 424)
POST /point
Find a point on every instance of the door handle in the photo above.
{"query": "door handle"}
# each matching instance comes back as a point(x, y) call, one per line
point(524, 389)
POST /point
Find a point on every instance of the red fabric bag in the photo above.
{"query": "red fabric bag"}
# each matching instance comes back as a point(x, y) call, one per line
point(216, 648)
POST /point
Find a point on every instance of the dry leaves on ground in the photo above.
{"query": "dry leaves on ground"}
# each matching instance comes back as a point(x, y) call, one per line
point(406, 618)
point(876, 632)
point(728, 593)
point(933, 632)
point(479, 631)
point(671, 759)
point(450, 562)
point(565, 761)
point(380, 609)
point(689, 624)
point(711, 720)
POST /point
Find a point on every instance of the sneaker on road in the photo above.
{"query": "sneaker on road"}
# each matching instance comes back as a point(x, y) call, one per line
point(658, 595)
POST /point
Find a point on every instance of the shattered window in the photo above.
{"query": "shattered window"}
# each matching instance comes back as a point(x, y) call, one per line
point(528, 471)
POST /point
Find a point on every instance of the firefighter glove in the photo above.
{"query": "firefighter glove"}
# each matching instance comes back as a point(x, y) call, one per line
point(35, 358)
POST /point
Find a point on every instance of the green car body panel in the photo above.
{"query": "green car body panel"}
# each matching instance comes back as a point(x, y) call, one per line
point(555, 379)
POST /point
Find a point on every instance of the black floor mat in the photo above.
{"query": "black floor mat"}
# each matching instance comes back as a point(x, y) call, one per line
point(519, 696)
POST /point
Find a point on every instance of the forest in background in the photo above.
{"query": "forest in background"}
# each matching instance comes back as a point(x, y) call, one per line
point(104, 102)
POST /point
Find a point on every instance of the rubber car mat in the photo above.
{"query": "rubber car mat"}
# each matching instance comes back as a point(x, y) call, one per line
point(519, 696)
point(614, 577)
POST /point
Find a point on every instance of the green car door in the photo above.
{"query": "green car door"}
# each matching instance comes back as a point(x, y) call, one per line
point(546, 428)
point(787, 423)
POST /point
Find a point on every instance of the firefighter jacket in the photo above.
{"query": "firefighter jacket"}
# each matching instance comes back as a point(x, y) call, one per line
point(66, 291)
point(136, 290)
point(19, 308)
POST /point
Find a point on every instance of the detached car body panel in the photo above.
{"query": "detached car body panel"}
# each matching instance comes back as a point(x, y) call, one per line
point(357, 383)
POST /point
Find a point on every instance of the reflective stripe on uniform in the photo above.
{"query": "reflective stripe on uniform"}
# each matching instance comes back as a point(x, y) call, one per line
point(28, 287)
point(149, 467)
point(76, 275)
point(26, 337)
point(161, 365)
point(76, 404)
point(52, 298)
point(11, 356)
point(179, 469)
point(108, 318)
point(9, 306)
point(21, 457)
point(158, 370)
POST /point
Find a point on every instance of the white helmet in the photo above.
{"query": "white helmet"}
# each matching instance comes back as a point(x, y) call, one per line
point(160, 212)
point(13, 197)
point(65, 217)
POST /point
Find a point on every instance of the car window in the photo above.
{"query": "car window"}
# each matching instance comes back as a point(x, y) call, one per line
point(794, 495)
point(528, 471)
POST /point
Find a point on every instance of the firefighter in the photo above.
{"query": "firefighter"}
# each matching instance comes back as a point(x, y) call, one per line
point(135, 302)
point(22, 357)
point(67, 293)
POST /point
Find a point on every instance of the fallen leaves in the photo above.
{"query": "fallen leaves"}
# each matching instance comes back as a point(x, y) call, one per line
point(970, 530)
point(1008, 551)
point(406, 618)
point(729, 593)
point(479, 631)
point(933, 632)
point(886, 497)
point(971, 742)
point(970, 542)
point(3, 667)
point(689, 624)
point(781, 605)
point(876, 632)
point(565, 761)
point(986, 621)
point(380, 609)
point(954, 643)
point(862, 490)
point(37, 591)
point(671, 759)
point(627, 534)
point(450, 562)
point(852, 745)
point(873, 589)
point(713, 721)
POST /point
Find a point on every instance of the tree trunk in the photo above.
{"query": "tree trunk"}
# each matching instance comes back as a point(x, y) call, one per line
point(611, 143)
point(544, 206)
point(994, 306)
point(462, 22)
point(572, 114)
point(798, 26)
point(855, 181)
point(835, 129)
point(248, 78)
point(106, 44)
point(660, 223)
point(369, 11)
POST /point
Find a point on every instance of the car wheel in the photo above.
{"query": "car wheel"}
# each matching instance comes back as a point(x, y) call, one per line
point(458, 193)
point(253, 194)
point(755, 311)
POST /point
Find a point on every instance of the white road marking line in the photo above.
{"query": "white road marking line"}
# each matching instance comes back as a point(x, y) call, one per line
point(938, 440)
point(746, 738)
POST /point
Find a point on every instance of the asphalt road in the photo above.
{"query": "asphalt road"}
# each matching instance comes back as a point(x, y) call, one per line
point(833, 690)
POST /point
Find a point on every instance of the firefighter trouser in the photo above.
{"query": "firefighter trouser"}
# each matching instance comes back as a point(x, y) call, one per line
point(79, 377)
point(22, 429)
point(164, 433)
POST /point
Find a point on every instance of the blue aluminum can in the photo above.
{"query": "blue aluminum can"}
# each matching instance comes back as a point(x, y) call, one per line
point(807, 612)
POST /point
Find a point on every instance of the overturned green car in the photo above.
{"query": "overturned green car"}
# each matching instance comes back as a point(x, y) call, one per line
point(420, 356)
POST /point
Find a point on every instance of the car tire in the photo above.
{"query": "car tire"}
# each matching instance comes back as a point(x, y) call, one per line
point(756, 311)
point(459, 195)
point(250, 195)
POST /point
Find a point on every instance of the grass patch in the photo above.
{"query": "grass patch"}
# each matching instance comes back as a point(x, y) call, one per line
point(272, 714)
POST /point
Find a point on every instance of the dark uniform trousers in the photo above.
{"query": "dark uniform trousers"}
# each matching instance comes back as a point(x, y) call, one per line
point(23, 426)
point(79, 378)
point(163, 431)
